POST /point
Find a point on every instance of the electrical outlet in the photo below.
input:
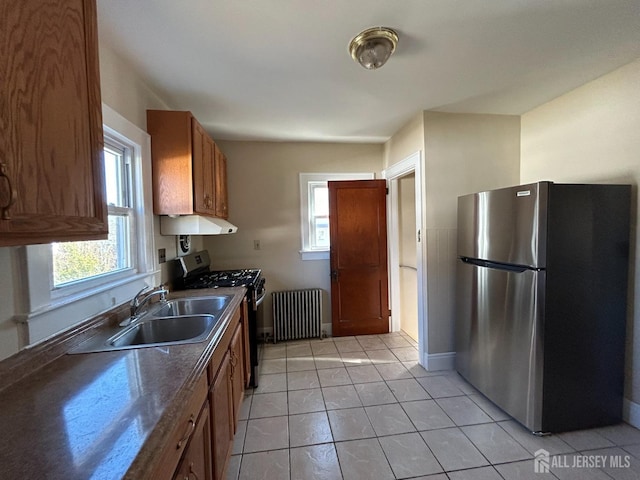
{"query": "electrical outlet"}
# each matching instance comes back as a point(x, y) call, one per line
point(162, 255)
point(256, 244)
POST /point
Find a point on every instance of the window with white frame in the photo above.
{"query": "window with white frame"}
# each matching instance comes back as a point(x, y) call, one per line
point(75, 262)
point(314, 211)
point(69, 282)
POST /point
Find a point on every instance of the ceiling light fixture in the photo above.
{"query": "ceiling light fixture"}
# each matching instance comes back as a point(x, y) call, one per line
point(371, 48)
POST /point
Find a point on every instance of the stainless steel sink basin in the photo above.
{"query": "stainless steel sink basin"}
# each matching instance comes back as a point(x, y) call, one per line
point(210, 305)
point(157, 331)
point(177, 321)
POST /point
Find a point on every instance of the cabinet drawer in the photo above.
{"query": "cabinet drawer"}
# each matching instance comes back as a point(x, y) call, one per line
point(181, 434)
point(196, 462)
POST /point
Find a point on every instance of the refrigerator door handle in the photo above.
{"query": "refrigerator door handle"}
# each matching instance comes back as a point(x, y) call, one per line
point(498, 265)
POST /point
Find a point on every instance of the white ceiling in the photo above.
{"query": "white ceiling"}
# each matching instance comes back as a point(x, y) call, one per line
point(280, 69)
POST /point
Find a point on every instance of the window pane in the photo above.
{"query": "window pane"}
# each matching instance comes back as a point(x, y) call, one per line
point(73, 261)
point(318, 215)
point(320, 202)
point(320, 235)
point(116, 170)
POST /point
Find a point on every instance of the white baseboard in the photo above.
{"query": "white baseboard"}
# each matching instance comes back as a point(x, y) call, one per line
point(440, 361)
point(631, 412)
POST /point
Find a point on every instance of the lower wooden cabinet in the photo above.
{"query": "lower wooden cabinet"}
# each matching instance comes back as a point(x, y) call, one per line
point(202, 440)
point(222, 425)
point(190, 435)
point(196, 462)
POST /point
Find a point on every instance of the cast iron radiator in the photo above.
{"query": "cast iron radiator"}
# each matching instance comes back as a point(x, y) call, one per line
point(297, 314)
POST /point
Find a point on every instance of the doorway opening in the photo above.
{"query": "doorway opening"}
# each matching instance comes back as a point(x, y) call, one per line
point(407, 272)
point(407, 255)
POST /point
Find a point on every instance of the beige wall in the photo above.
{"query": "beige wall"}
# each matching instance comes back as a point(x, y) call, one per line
point(464, 153)
point(405, 142)
point(592, 134)
point(124, 90)
point(264, 202)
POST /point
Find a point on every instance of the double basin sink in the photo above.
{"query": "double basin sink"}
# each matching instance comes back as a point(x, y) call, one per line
point(172, 322)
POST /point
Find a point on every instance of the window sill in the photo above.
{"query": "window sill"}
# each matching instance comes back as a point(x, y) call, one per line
point(66, 312)
point(314, 254)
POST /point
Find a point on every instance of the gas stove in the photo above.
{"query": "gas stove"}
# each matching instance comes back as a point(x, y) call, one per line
point(224, 278)
point(193, 273)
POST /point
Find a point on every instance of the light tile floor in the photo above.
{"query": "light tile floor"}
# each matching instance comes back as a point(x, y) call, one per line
point(363, 408)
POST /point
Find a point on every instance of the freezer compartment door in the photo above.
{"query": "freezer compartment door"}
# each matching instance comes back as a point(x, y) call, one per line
point(499, 337)
point(506, 225)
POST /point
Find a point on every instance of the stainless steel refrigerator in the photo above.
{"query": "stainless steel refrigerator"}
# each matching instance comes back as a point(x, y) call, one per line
point(541, 296)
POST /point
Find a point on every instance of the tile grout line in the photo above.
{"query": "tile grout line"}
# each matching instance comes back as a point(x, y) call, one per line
point(385, 381)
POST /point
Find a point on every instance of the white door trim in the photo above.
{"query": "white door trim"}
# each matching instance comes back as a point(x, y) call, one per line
point(412, 164)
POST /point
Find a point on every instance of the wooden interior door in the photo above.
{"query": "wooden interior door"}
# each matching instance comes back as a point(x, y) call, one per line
point(359, 283)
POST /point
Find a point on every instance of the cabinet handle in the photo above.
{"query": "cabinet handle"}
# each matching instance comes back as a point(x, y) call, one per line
point(233, 361)
point(208, 202)
point(191, 472)
point(4, 209)
point(190, 429)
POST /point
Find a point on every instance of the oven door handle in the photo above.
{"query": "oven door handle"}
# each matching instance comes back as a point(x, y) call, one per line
point(259, 300)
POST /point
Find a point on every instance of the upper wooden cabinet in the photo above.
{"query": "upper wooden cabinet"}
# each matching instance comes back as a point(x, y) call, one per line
point(189, 171)
point(51, 173)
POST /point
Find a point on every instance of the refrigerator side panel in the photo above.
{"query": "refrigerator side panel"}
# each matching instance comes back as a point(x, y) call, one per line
point(499, 337)
point(586, 305)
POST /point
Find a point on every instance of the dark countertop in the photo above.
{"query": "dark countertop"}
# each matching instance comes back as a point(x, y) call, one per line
point(101, 415)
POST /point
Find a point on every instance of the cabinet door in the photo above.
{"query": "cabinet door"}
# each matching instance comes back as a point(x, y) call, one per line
point(203, 171)
point(51, 173)
point(187, 426)
point(237, 373)
point(172, 152)
point(222, 208)
point(196, 462)
point(221, 418)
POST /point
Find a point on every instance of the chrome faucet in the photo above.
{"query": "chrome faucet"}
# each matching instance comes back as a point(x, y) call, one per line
point(141, 299)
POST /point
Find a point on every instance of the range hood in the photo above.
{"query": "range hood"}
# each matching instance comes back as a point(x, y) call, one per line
point(195, 225)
